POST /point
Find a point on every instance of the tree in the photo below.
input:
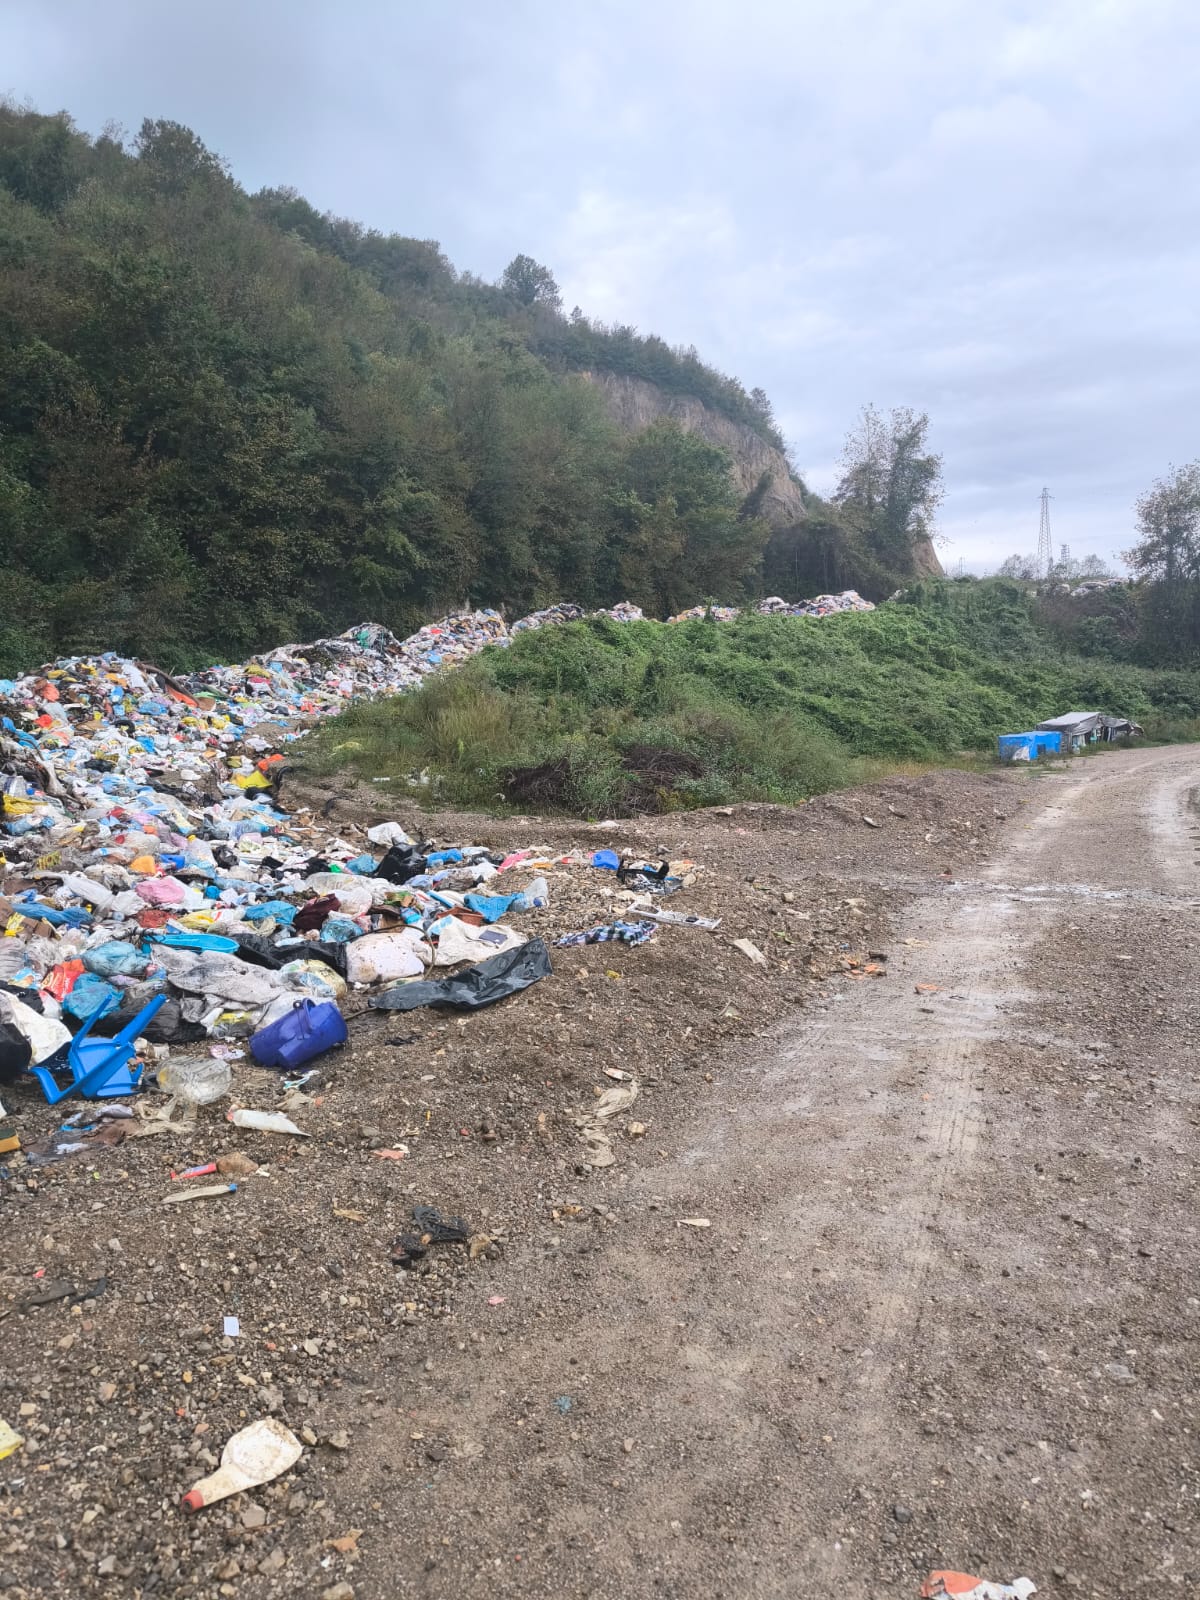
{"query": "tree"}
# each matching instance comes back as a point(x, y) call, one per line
point(176, 158)
point(1167, 557)
point(680, 536)
point(1023, 568)
point(530, 284)
point(891, 484)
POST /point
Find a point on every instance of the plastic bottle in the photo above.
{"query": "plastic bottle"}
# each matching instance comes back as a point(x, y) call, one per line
point(533, 898)
point(199, 1080)
point(253, 1456)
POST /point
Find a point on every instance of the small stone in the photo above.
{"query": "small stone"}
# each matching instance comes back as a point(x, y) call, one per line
point(902, 1513)
point(338, 1591)
point(274, 1562)
point(108, 1391)
point(1118, 1372)
point(627, 1446)
point(339, 1440)
point(436, 1452)
point(254, 1516)
point(228, 1569)
point(107, 1566)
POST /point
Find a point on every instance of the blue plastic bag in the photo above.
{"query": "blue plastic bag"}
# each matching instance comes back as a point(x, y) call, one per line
point(491, 907)
point(116, 958)
point(279, 909)
point(91, 997)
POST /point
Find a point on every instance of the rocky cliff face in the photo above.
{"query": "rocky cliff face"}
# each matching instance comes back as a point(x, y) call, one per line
point(634, 404)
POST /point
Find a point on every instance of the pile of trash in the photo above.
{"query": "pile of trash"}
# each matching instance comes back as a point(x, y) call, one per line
point(825, 605)
point(1095, 586)
point(697, 613)
point(566, 612)
point(150, 879)
point(155, 897)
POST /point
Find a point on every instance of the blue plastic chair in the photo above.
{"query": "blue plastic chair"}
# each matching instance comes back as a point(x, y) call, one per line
point(100, 1068)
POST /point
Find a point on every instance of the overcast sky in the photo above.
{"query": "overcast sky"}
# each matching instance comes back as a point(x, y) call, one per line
point(986, 209)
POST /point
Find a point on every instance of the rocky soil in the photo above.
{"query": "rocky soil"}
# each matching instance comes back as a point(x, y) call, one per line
point(721, 1364)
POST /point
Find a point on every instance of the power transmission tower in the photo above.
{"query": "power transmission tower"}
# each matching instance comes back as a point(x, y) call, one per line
point(1045, 555)
point(1064, 554)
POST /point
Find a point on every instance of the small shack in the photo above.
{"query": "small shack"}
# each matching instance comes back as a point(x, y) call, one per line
point(1114, 728)
point(1076, 728)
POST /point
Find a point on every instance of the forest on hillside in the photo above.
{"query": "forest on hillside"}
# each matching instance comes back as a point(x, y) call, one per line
point(228, 420)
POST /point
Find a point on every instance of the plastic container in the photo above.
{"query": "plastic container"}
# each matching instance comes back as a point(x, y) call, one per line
point(201, 1080)
point(307, 1030)
point(257, 1454)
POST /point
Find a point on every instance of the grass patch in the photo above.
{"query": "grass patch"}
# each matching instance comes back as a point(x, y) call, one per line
point(600, 718)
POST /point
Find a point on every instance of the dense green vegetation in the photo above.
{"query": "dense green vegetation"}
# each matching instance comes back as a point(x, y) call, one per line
point(227, 421)
point(598, 716)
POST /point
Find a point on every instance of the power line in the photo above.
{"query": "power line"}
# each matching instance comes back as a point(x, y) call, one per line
point(1045, 555)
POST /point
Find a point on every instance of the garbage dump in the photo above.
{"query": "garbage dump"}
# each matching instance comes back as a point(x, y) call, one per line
point(824, 605)
point(155, 891)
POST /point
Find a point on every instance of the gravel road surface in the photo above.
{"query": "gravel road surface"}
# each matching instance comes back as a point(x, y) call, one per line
point(902, 1273)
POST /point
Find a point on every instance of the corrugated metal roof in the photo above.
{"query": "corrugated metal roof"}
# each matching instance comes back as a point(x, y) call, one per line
point(1071, 719)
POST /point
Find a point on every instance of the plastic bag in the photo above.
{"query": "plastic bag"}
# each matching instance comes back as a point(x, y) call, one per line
point(481, 985)
point(380, 957)
point(458, 941)
point(90, 996)
point(388, 833)
point(116, 958)
point(46, 1035)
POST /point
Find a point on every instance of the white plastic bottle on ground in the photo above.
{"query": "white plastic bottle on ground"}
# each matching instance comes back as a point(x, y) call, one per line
point(257, 1454)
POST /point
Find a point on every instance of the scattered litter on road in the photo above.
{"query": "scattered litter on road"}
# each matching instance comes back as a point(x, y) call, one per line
point(231, 1327)
point(593, 1123)
point(266, 1122)
point(677, 919)
point(750, 949)
point(961, 1586)
point(410, 1248)
point(632, 933)
point(695, 1222)
point(212, 1191)
point(10, 1440)
point(253, 1456)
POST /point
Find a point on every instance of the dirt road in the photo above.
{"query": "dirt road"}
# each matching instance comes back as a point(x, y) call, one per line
point(946, 1311)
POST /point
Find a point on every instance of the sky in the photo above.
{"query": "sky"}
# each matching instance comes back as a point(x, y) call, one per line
point(983, 209)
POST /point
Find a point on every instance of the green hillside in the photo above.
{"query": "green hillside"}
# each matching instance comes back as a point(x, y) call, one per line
point(598, 716)
point(228, 421)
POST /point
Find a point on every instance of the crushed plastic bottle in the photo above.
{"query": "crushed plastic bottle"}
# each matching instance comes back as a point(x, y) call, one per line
point(253, 1456)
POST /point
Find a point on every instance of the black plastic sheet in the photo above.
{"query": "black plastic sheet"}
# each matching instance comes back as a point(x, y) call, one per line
point(480, 985)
